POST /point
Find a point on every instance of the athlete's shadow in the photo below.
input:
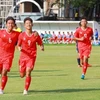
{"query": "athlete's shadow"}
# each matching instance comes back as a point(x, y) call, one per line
point(14, 74)
point(96, 65)
point(45, 70)
point(64, 90)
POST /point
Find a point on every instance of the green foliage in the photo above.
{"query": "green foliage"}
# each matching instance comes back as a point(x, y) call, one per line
point(86, 6)
point(84, 3)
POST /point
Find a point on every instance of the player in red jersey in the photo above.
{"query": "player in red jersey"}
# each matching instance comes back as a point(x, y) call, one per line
point(8, 41)
point(59, 38)
point(27, 45)
point(83, 35)
point(54, 38)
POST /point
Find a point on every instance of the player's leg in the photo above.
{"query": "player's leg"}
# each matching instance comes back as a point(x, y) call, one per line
point(89, 65)
point(22, 64)
point(82, 60)
point(27, 80)
point(4, 79)
point(79, 61)
point(22, 74)
point(1, 68)
point(5, 69)
point(85, 63)
point(22, 67)
point(31, 63)
point(86, 54)
point(0, 81)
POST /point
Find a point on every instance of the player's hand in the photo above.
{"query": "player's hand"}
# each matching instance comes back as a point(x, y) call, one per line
point(82, 39)
point(42, 47)
point(73, 39)
point(19, 48)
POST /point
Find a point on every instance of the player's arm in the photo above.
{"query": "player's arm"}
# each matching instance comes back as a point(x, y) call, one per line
point(19, 42)
point(19, 48)
point(18, 33)
point(42, 47)
point(39, 41)
point(78, 39)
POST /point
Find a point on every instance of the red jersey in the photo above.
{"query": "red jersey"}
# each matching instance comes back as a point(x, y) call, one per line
point(28, 44)
point(7, 43)
point(87, 34)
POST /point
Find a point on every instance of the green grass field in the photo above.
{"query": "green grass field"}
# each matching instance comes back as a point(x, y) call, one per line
point(56, 76)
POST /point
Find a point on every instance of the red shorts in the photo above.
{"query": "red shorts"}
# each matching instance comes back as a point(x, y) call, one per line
point(84, 52)
point(26, 62)
point(5, 63)
point(64, 39)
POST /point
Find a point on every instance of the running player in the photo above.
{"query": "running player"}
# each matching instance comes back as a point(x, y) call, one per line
point(83, 35)
point(8, 40)
point(27, 45)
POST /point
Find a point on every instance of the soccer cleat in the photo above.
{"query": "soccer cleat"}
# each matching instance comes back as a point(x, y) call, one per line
point(1, 91)
point(83, 76)
point(25, 92)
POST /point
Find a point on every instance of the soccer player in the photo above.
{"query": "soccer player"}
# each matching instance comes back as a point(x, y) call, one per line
point(8, 41)
point(64, 38)
point(27, 45)
point(54, 37)
point(68, 37)
point(50, 37)
point(83, 35)
point(59, 38)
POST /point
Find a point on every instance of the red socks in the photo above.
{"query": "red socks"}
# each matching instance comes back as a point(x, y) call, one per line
point(85, 65)
point(27, 82)
point(3, 82)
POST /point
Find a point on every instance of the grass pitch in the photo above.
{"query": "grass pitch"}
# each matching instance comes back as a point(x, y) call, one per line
point(56, 76)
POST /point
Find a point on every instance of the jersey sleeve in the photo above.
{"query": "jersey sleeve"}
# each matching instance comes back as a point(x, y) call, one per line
point(76, 34)
point(39, 40)
point(20, 40)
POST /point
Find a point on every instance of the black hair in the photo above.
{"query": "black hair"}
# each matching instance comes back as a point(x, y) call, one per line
point(10, 18)
point(84, 18)
point(29, 19)
point(15, 24)
point(79, 23)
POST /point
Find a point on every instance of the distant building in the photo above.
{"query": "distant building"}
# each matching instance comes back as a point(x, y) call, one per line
point(5, 5)
point(38, 8)
point(9, 7)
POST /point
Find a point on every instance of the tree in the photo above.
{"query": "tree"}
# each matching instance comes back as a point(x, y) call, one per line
point(87, 7)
